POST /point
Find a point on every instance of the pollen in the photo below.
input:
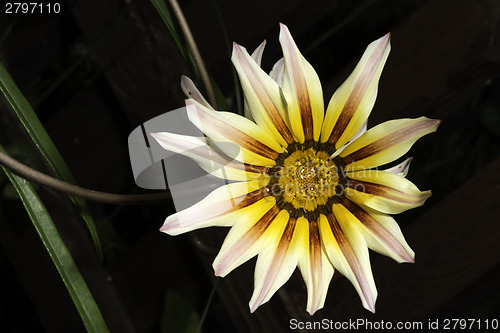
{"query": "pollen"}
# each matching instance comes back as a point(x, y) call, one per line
point(308, 178)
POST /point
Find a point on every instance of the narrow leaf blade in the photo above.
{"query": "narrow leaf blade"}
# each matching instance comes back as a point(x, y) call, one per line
point(73, 280)
point(43, 142)
point(163, 11)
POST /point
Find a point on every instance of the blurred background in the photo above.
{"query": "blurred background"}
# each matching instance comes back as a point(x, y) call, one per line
point(98, 69)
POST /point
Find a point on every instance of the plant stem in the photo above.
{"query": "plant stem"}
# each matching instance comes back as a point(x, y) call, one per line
point(194, 50)
point(57, 184)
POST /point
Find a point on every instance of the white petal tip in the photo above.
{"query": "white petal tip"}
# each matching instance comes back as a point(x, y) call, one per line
point(164, 229)
point(253, 307)
point(405, 258)
point(432, 123)
point(236, 47)
point(370, 307)
point(384, 40)
point(369, 301)
point(383, 43)
point(171, 226)
point(160, 137)
point(435, 122)
point(312, 311)
point(411, 258)
point(255, 301)
point(285, 31)
point(170, 230)
point(218, 269)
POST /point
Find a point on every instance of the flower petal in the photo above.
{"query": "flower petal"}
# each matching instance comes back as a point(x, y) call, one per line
point(257, 56)
point(353, 101)
point(381, 231)
point(191, 91)
point(220, 208)
point(357, 135)
point(277, 72)
point(302, 89)
point(402, 168)
point(316, 269)
point(361, 131)
point(258, 52)
point(386, 142)
point(276, 263)
point(256, 146)
point(263, 96)
point(347, 250)
point(250, 235)
point(210, 160)
point(384, 191)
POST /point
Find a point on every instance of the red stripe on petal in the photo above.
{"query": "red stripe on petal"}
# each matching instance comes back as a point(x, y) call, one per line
point(386, 192)
point(358, 91)
point(277, 261)
point(247, 240)
point(316, 264)
point(391, 139)
point(352, 260)
point(377, 230)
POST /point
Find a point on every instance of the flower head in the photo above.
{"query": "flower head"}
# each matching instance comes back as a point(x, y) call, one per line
point(305, 187)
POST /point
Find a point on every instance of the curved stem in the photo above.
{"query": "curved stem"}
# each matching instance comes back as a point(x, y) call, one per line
point(57, 184)
point(196, 53)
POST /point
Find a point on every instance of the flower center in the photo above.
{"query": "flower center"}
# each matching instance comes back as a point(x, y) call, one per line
point(305, 178)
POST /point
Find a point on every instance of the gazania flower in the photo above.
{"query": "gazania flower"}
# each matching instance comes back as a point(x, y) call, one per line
point(303, 188)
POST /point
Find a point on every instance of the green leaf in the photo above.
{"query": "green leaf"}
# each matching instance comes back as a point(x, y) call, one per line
point(73, 280)
point(179, 315)
point(221, 99)
point(36, 131)
point(164, 12)
point(162, 9)
point(21, 152)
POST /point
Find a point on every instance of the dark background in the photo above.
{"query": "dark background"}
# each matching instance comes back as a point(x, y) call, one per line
point(99, 69)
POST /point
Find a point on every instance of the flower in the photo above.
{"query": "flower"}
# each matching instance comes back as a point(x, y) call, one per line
point(305, 186)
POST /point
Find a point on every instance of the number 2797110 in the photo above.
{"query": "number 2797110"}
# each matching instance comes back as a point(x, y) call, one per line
point(32, 8)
